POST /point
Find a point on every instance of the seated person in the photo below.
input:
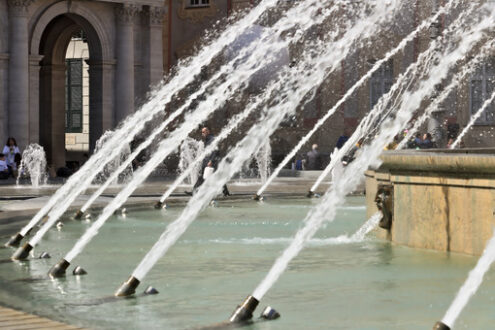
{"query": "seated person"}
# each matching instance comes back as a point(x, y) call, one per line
point(4, 169)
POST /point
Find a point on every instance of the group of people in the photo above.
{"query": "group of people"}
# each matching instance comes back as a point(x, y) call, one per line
point(10, 159)
point(422, 141)
point(311, 161)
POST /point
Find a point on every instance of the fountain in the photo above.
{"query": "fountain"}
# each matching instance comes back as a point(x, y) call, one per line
point(113, 164)
point(33, 165)
point(286, 90)
point(189, 151)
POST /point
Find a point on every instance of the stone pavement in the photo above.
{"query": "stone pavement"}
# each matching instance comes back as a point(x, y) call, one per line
point(11, 319)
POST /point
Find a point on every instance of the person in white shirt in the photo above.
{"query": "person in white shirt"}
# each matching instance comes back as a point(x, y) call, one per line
point(4, 169)
point(9, 151)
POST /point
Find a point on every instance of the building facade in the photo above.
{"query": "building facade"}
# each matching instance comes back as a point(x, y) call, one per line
point(72, 69)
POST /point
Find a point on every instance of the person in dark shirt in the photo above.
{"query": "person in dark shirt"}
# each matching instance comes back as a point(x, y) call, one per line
point(342, 139)
point(210, 160)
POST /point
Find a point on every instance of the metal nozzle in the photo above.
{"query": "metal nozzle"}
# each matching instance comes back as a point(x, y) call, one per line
point(256, 197)
point(310, 194)
point(150, 290)
point(45, 255)
point(158, 205)
point(79, 271)
point(128, 287)
point(269, 314)
point(79, 214)
point(245, 311)
point(15, 240)
point(441, 326)
point(59, 269)
point(22, 252)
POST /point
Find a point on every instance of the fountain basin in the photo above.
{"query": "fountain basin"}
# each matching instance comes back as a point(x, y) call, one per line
point(442, 200)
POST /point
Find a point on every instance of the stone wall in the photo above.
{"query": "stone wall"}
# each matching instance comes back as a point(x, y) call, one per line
point(442, 201)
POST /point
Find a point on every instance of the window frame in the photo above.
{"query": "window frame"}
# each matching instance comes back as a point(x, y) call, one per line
point(386, 82)
point(70, 112)
point(482, 76)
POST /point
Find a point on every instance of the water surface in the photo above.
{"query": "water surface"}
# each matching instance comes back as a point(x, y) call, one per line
point(222, 258)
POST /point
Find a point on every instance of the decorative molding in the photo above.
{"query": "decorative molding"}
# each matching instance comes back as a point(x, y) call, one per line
point(34, 60)
point(4, 57)
point(196, 14)
point(126, 13)
point(157, 15)
point(19, 7)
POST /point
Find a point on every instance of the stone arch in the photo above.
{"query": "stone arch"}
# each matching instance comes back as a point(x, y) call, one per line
point(51, 35)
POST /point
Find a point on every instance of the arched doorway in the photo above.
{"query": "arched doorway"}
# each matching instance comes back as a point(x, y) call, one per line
point(60, 95)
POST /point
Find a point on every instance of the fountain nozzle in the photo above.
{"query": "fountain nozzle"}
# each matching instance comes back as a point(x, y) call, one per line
point(14, 240)
point(441, 326)
point(310, 194)
point(158, 205)
point(245, 311)
point(59, 269)
point(128, 287)
point(79, 214)
point(22, 252)
point(257, 197)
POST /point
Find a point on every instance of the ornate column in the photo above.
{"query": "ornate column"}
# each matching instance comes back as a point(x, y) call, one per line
point(4, 116)
point(124, 86)
point(34, 100)
point(18, 94)
point(154, 60)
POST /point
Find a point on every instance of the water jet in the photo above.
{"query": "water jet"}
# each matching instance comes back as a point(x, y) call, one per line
point(128, 287)
point(441, 326)
point(22, 252)
point(59, 269)
point(245, 311)
point(15, 240)
point(79, 271)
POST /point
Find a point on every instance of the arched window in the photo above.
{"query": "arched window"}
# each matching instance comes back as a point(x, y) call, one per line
point(482, 87)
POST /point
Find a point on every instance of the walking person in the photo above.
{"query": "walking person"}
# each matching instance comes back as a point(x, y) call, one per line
point(314, 159)
point(210, 162)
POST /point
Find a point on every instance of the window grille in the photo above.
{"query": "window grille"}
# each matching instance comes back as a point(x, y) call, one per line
point(74, 96)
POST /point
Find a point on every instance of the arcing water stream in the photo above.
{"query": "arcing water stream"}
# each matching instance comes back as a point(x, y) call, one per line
point(260, 46)
point(288, 91)
point(349, 93)
point(136, 122)
point(325, 211)
point(191, 121)
point(471, 285)
point(473, 119)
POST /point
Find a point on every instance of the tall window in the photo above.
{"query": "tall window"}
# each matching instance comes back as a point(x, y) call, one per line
point(381, 82)
point(199, 3)
point(73, 96)
point(482, 84)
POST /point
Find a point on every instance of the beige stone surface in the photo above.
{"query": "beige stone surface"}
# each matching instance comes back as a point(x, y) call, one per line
point(447, 209)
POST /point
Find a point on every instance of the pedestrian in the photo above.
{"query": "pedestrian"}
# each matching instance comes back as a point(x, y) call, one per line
point(342, 139)
point(427, 142)
point(4, 169)
point(209, 162)
point(9, 151)
point(313, 157)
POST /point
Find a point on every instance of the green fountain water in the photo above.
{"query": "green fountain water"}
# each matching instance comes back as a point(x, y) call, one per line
point(366, 285)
